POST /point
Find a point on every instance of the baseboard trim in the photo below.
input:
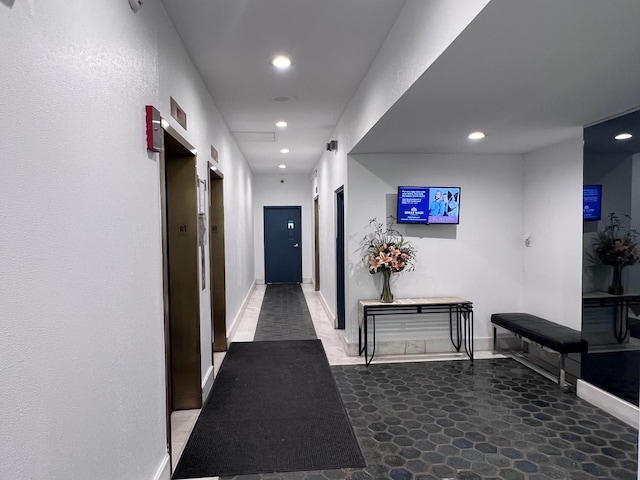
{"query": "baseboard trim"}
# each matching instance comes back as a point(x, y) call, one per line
point(164, 470)
point(207, 384)
point(351, 349)
point(617, 407)
point(326, 308)
point(236, 320)
point(416, 347)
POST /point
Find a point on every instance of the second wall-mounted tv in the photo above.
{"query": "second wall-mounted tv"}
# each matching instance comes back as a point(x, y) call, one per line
point(423, 205)
point(591, 202)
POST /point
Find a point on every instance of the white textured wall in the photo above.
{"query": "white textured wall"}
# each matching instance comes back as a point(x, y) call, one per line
point(421, 33)
point(552, 215)
point(480, 259)
point(332, 174)
point(179, 79)
point(277, 191)
point(81, 330)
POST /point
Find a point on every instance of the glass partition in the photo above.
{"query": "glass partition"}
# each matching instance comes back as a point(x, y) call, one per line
point(611, 272)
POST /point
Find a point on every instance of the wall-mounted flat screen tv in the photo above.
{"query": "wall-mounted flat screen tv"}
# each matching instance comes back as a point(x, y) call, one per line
point(422, 205)
point(591, 202)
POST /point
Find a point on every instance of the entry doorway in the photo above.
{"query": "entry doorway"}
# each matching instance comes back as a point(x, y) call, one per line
point(282, 244)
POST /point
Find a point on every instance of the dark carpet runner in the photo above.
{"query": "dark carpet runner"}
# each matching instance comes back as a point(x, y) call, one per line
point(274, 407)
point(284, 314)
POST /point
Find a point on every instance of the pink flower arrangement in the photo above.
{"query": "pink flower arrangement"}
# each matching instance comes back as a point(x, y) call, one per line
point(614, 246)
point(387, 250)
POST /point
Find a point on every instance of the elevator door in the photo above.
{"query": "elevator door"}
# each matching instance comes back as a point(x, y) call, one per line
point(181, 257)
point(217, 258)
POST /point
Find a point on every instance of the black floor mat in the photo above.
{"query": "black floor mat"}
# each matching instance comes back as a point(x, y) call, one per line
point(274, 407)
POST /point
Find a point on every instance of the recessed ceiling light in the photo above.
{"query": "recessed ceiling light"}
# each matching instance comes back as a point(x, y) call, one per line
point(623, 136)
point(282, 166)
point(281, 124)
point(476, 135)
point(284, 150)
point(281, 61)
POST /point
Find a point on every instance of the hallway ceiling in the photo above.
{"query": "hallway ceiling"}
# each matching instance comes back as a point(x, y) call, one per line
point(528, 73)
point(331, 43)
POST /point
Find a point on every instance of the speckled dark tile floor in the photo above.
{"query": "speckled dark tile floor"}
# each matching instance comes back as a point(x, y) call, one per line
point(457, 420)
point(491, 419)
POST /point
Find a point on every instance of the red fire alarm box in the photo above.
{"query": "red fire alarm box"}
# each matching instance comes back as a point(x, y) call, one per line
point(154, 129)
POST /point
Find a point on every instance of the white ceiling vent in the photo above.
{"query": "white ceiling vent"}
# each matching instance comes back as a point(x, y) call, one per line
point(255, 136)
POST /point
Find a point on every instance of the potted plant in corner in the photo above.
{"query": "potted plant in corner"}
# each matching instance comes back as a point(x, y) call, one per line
point(387, 252)
point(617, 246)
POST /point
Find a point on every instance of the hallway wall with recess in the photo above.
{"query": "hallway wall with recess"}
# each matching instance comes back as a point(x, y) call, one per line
point(479, 259)
point(82, 346)
point(422, 32)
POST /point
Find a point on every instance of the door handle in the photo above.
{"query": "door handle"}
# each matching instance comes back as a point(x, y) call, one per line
point(296, 245)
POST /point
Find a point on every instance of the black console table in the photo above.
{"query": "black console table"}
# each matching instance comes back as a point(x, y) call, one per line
point(460, 314)
point(619, 305)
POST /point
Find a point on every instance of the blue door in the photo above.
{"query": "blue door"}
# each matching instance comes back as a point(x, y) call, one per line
point(340, 273)
point(282, 245)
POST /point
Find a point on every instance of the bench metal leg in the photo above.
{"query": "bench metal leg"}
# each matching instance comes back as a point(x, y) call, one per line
point(519, 357)
point(494, 339)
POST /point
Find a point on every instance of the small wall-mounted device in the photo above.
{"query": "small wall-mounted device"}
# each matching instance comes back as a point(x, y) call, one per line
point(332, 146)
point(154, 129)
point(136, 4)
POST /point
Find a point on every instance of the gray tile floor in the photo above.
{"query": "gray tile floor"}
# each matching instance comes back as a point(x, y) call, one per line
point(490, 419)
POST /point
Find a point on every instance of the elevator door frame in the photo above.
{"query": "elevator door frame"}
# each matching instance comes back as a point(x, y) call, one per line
point(173, 142)
point(217, 257)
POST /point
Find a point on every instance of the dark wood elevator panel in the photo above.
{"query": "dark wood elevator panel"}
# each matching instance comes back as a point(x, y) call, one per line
point(217, 257)
point(184, 299)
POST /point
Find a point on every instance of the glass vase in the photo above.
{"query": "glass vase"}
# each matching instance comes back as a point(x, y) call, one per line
point(386, 296)
point(616, 287)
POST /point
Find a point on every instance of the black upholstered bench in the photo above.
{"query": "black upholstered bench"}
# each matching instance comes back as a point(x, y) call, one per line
point(545, 333)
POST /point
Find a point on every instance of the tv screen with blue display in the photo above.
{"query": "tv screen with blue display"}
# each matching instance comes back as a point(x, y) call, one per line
point(423, 205)
point(591, 202)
